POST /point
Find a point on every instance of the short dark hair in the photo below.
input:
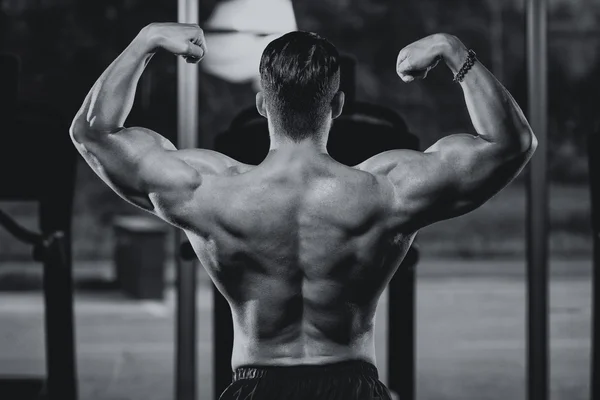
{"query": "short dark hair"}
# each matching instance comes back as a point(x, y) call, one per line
point(300, 75)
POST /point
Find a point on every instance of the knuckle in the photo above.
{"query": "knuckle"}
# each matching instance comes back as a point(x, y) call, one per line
point(406, 64)
point(404, 55)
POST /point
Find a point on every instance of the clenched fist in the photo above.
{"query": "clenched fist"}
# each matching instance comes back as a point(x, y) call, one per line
point(420, 57)
point(186, 40)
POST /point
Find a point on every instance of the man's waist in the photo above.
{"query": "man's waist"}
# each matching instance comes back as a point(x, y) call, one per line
point(301, 348)
point(288, 355)
point(346, 368)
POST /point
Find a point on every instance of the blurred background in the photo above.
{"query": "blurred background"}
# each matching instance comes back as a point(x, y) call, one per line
point(471, 290)
point(65, 45)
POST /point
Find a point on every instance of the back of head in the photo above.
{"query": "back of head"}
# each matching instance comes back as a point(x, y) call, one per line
point(300, 75)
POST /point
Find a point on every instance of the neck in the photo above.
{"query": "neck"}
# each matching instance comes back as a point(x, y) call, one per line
point(282, 144)
point(316, 142)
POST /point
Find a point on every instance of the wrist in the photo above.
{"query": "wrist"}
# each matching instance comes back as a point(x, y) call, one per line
point(148, 40)
point(453, 52)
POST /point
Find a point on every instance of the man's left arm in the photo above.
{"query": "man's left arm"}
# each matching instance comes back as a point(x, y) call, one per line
point(136, 162)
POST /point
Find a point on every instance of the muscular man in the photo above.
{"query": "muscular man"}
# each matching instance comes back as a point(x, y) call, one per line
point(302, 246)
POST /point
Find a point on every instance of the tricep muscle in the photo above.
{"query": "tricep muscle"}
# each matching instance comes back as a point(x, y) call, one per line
point(136, 162)
point(454, 176)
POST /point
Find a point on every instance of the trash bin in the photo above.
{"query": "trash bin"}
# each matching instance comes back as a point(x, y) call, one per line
point(139, 256)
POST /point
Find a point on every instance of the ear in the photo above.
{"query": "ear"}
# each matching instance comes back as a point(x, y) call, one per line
point(337, 104)
point(261, 105)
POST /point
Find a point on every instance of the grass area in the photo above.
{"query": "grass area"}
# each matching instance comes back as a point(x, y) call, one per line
point(495, 229)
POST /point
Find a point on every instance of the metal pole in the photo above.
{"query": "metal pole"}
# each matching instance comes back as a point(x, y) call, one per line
point(187, 135)
point(223, 343)
point(60, 332)
point(594, 167)
point(595, 367)
point(187, 84)
point(401, 332)
point(537, 202)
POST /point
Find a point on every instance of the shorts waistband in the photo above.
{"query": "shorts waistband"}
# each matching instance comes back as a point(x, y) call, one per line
point(351, 367)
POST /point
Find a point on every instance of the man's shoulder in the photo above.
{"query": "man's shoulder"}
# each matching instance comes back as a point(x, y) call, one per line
point(383, 163)
point(210, 162)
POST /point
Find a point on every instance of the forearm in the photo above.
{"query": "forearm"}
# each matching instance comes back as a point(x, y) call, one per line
point(110, 100)
point(495, 114)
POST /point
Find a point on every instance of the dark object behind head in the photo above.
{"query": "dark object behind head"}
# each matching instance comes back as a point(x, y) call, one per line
point(10, 67)
point(362, 131)
point(348, 77)
point(300, 75)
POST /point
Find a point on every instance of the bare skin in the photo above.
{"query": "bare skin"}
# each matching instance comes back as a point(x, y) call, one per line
point(301, 246)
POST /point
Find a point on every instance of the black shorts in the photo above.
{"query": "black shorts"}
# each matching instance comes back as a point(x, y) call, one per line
point(348, 380)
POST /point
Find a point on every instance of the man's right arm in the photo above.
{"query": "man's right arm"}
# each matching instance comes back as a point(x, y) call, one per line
point(460, 172)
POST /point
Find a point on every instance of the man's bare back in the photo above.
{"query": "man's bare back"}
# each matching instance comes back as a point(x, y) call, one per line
point(302, 247)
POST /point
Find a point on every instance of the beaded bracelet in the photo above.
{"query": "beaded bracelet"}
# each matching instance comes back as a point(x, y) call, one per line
point(471, 58)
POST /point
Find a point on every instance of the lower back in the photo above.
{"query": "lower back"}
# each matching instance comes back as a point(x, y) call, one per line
point(301, 342)
point(287, 319)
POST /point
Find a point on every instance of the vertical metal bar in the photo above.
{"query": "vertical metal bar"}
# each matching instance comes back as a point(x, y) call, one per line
point(594, 175)
point(537, 202)
point(187, 84)
point(223, 343)
point(401, 332)
point(186, 353)
point(60, 331)
point(595, 367)
point(187, 136)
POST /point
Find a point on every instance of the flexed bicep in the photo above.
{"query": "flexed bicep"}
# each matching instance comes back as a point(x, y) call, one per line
point(460, 172)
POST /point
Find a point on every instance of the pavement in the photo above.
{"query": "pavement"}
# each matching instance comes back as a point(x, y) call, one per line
point(471, 330)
